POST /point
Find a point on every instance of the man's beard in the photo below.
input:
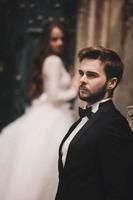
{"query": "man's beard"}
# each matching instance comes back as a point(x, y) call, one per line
point(95, 97)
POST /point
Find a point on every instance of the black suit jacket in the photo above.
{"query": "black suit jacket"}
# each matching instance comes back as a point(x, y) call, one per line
point(99, 160)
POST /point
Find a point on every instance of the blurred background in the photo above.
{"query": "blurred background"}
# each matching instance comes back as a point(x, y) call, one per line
point(88, 22)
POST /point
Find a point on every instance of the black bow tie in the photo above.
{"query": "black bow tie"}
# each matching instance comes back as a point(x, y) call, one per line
point(85, 112)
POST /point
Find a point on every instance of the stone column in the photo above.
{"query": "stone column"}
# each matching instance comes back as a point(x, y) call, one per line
point(91, 22)
point(116, 25)
point(124, 95)
point(81, 26)
point(105, 23)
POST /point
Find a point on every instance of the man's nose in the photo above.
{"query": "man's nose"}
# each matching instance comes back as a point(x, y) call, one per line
point(83, 79)
point(60, 42)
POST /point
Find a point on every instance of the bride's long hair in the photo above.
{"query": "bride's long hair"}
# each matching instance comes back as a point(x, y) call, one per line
point(37, 85)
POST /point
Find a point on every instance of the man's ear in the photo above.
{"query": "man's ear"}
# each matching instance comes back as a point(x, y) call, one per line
point(112, 83)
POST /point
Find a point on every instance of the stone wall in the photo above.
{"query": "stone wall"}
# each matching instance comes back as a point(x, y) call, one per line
point(104, 23)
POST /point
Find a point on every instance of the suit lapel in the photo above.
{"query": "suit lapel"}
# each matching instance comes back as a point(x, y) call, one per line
point(60, 148)
point(102, 109)
point(69, 132)
point(86, 127)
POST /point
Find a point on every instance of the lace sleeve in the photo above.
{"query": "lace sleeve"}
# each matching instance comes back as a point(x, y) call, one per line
point(52, 69)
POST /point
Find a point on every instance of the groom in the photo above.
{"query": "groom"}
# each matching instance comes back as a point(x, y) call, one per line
point(95, 156)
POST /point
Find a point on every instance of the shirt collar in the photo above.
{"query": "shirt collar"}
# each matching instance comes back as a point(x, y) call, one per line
point(95, 106)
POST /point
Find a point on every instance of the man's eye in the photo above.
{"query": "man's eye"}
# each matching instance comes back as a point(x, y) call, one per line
point(91, 75)
point(81, 73)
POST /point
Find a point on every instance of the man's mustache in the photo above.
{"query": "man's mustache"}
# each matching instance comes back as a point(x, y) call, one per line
point(81, 87)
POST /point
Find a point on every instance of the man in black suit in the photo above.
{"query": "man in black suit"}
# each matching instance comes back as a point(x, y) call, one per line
point(96, 155)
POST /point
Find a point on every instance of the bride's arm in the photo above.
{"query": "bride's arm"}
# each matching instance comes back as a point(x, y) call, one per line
point(52, 68)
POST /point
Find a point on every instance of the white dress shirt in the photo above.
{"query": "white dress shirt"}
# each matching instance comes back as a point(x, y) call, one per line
point(66, 144)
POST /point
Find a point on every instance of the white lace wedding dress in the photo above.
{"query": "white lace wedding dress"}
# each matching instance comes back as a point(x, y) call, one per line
point(29, 145)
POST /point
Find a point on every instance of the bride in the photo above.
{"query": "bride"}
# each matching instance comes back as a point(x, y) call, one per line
point(29, 145)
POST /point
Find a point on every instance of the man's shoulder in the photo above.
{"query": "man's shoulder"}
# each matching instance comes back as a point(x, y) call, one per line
point(118, 117)
point(110, 111)
point(118, 124)
point(113, 121)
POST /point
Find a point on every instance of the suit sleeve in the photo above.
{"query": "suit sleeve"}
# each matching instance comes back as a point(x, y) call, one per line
point(116, 158)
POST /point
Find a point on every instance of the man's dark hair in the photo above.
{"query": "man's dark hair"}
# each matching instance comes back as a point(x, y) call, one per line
point(113, 65)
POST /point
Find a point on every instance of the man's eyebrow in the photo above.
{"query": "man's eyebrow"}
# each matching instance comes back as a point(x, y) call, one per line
point(87, 72)
point(91, 72)
point(80, 70)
